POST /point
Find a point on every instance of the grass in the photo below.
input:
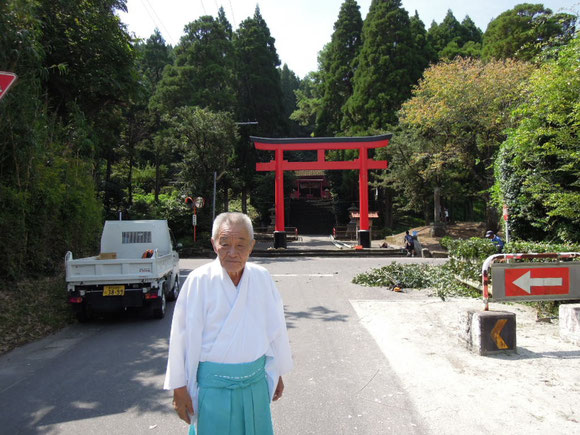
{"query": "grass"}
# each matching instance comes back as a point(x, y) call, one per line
point(32, 309)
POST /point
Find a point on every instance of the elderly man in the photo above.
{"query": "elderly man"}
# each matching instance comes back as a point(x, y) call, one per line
point(229, 346)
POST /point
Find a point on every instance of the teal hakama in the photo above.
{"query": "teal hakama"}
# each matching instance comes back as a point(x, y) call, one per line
point(233, 399)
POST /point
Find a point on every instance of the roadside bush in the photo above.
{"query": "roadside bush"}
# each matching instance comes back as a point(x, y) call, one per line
point(466, 260)
point(474, 248)
point(539, 247)
point(467, 257)
point(171, 207)
point(32, 309)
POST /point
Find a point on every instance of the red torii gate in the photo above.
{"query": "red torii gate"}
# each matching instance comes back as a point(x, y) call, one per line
point(321, 144)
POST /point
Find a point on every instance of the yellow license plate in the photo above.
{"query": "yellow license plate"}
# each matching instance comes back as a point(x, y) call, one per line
point(114, 290)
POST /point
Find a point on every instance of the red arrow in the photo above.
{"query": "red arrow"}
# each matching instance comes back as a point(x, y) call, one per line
point(537, 281)
point(7, 79)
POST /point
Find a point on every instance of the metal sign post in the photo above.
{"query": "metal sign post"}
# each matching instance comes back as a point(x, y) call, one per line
point(507, 225)
point(195, 204)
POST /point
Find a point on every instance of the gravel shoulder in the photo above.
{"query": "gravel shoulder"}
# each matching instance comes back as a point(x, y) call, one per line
point(535, 391)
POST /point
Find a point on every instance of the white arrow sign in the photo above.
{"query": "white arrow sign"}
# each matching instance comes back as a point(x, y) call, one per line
point(526, 282)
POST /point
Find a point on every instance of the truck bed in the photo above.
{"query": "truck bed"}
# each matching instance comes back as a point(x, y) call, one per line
point(92, 269)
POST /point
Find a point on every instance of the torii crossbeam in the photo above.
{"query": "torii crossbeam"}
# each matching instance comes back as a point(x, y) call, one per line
point(321, 144)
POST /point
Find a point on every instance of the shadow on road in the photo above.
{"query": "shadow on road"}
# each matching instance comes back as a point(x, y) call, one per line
point(314, 313)
point(523, 353)
point(117, 368)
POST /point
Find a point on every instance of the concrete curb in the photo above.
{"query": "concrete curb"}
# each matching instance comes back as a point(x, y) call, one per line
point(207, 253)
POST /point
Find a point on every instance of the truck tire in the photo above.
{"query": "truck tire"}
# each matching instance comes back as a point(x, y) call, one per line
point(83, 315)
point(172, 296)
point(160, 307)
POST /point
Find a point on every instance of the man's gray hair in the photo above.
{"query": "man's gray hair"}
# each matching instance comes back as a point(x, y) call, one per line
point(231, 218)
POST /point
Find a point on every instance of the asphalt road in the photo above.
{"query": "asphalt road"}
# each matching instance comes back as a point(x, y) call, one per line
point(106, 377)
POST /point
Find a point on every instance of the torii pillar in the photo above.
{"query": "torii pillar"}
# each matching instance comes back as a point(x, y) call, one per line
point(320, 145)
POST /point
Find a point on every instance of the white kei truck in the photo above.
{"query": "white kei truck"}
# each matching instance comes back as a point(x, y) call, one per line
point(138, 268)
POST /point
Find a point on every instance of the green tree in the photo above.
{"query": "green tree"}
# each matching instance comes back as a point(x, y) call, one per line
point(440, 35)
point(416, 167)
point(538, 170)
point(258, 81)
point(260, 97)
point(424, 51)
point(386, 69)
point(470, 32)
point(90, 75)
point(461, 109)
point(88, 56)
point(452, 38)
point(523, 31)
point(202, 74)
point(336, 69)
point(152, 57)
point(289, 83)
point(204, 141)
point(140, 153)
point(222, 19)
point(48, 202)
point(308, 100)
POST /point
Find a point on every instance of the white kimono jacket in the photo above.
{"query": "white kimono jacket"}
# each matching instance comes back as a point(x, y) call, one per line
point(219, 322)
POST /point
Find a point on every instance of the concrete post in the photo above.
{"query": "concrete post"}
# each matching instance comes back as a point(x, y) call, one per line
point(488, 332)
point(570, 323)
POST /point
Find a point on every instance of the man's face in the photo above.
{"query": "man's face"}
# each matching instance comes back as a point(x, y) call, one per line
point(233, 247)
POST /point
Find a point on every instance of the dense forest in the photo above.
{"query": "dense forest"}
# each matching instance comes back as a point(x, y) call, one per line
point(101, 123)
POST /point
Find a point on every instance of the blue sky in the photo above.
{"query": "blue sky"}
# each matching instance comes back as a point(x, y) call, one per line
point(302, 27)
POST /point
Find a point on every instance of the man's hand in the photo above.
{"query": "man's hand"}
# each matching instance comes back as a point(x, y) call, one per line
point(183, 405)
point(279, 389)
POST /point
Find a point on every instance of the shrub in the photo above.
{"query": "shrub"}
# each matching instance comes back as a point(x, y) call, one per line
point(466, 261)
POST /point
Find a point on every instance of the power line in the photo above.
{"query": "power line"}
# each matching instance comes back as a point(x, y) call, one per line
point(203, 7)
point(171, 40)
point(150, 16)
point(233, 18)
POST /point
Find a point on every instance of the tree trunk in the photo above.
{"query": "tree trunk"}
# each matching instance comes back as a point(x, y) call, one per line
point(157, 178)
point(437, 206)
point(427, 212)
point(388, 210)
point(226, 199)
point(491, 217)
point(130, 183)
point(438, 228)
point(107, 198)
point(244, 199)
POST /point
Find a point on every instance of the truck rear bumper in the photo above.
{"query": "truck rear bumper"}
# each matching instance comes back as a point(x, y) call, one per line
point(97, 302)
point(94, 301)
